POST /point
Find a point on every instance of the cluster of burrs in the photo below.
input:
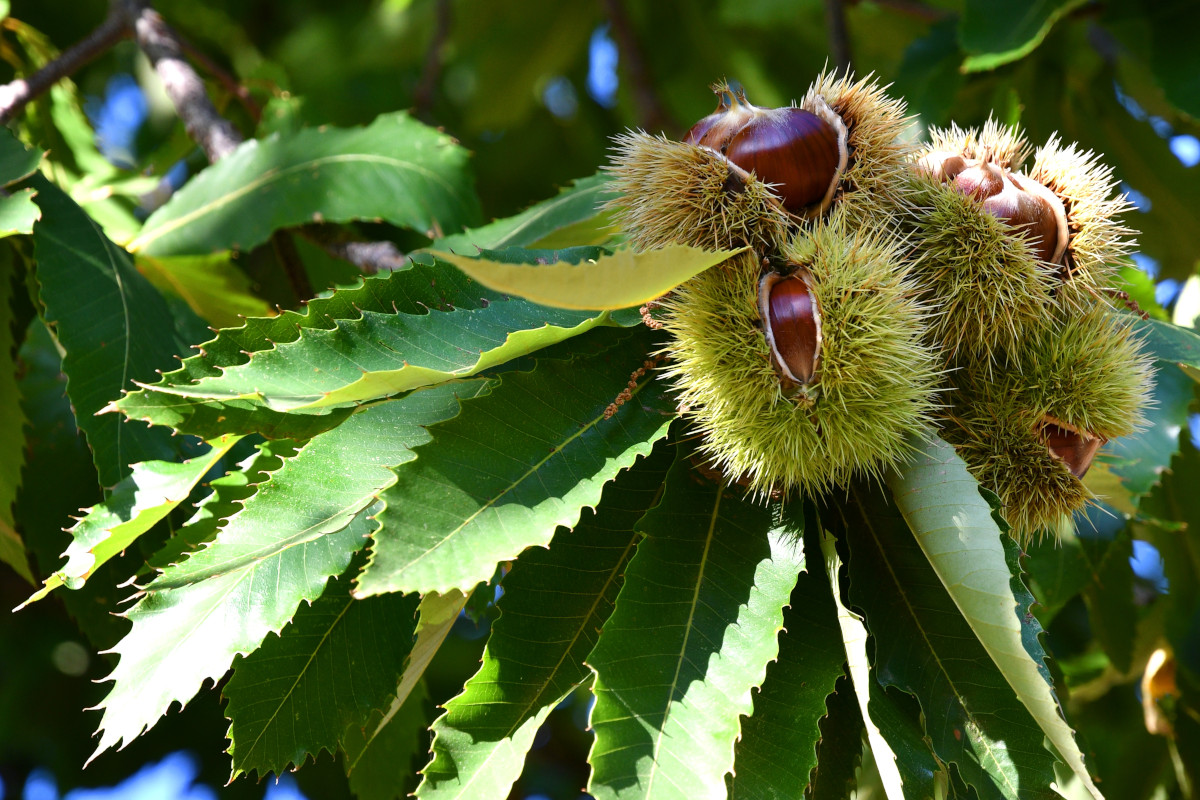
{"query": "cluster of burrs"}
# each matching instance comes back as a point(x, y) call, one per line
point(888, 286)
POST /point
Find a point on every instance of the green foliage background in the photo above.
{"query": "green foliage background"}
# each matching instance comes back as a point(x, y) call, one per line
point(306, 432)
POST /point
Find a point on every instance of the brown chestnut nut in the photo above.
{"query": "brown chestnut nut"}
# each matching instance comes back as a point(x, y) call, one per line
point(800, 153)
point(792, 324)
point(1035, 211)
point(1076, 448)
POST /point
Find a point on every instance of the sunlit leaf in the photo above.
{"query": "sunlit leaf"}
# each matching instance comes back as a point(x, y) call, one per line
point(692, 633)
point(621, 280)
point(143, 498)
point(953, 524)
point(554, 603)
point(212, 286)
point(923, 646)
point(510, 469)
point(299, 529)
point(327, 671)
point(395, 169)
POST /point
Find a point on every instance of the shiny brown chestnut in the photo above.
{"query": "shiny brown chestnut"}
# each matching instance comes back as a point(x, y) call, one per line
point(801, 153)
point(792, 324)
point(1076, 448)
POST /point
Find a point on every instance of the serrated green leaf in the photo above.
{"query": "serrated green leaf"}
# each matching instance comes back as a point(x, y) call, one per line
point(425, 286)
point(1059, 571)
point(385, 354)
point(893, 773)
point(554, 603)
point(335, 664)
point(997, 33)
point(211, 285)
point(396, 169)
point(152, 490)
point(1169, 342)
point(385, 770)
point(435, 617)
point(228, 495)
point(570, 207)
point(12, 422)
point(114, 327)
point(299, 529)
point(778, 748)
point(1139, 459)
point(953, 525)
point(18, 212)
point(839, 750)
point(923, 646)
point(691, 635)
point(510, 469)
point(622, 280)
point(16, 160)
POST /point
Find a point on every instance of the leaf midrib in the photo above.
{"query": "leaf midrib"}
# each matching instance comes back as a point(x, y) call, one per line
point(274, 175)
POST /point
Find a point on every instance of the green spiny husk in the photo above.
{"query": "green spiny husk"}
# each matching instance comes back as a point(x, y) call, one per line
point(677, 193)
point(874, 184)
point(989, 289)
point(875, 381)
point(982, 276)
point(1088, 372)
point(1098, 240)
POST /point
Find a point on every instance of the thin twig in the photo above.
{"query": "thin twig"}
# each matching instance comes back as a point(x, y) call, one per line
point(914, 8)
point(431, 70)
point(216, 135)
point(652, 115)
point(293, 265)
point(370, 257)
point(231, 84)
point(839, 39)
point(15, 95)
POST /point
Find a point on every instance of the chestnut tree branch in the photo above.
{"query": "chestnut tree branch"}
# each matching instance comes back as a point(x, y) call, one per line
point(15, 95)
point(431, 70)
point(839, 38)
point(370, 257)
point(652, 114)
point(216, 135)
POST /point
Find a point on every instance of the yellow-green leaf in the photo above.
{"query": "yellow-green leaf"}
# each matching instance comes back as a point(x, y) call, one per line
point(621, 280)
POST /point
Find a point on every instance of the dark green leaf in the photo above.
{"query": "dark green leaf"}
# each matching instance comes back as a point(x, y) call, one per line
point(336, 663)
point(384, 768)
point(555, 602)
point(926, 648)
point(396, 169)
point(12, 422)
point(997, 33)
point(1161, 34)
point(298, 530)
point(839, 751)
point(690, 638)
point(18, 212)
point(572, 206)
point(929, 77)
point(1138, 460)
point(954, 527)
point(1109, 596)
point(780, 741)
point(211, 285)
point(16, 160)
point(510, 469)
point(113, 325)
